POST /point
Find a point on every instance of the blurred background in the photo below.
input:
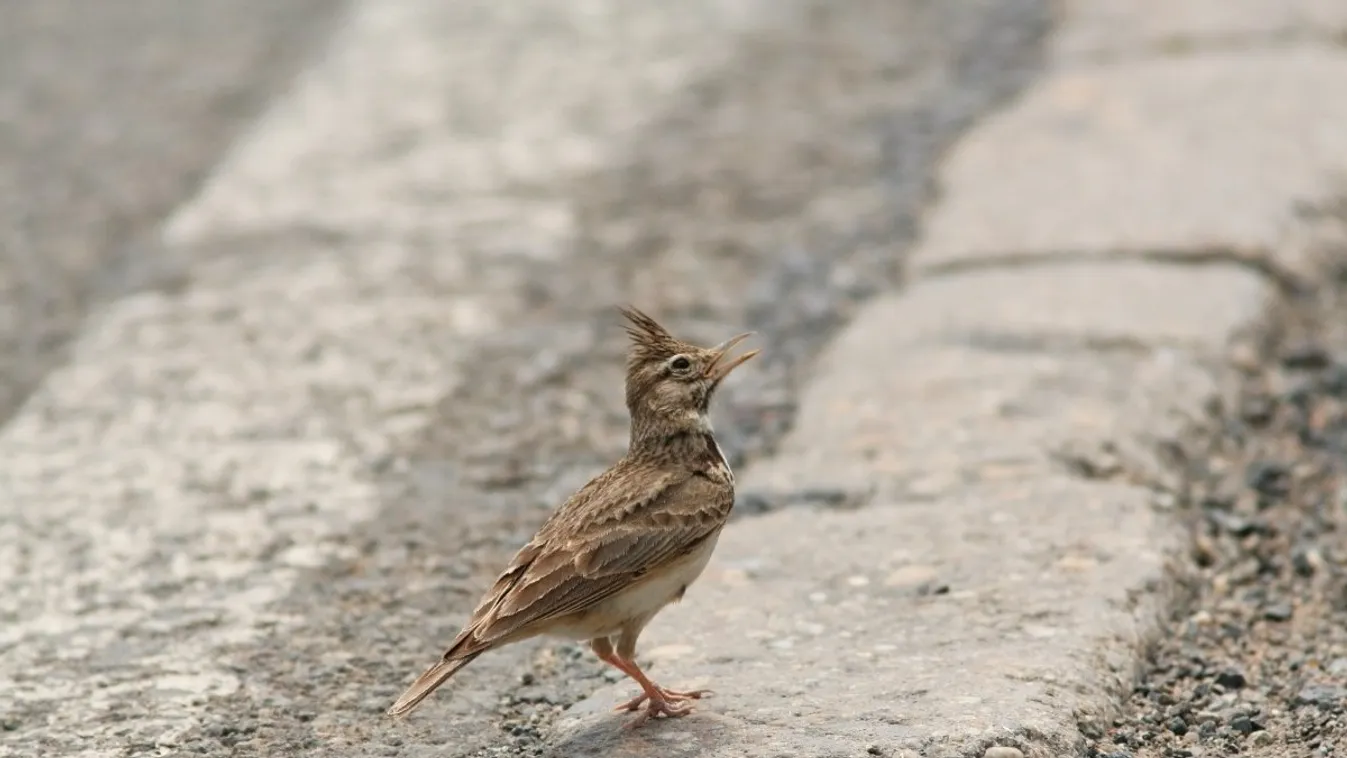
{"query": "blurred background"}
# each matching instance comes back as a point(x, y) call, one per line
point(110, 115)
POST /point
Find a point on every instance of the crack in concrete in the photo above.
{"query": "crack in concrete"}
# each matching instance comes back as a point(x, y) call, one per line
point(1058, 343)
point(1255, 259)
point(750, 503)
point(1194, 45)
point(1106, 460)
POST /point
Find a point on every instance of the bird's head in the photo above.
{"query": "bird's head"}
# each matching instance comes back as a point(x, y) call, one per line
point(670, 382)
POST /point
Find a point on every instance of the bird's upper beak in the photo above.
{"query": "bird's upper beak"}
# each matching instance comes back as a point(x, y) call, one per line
point(719, 368)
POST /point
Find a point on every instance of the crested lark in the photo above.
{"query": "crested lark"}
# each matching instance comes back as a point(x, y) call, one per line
point(627, 543)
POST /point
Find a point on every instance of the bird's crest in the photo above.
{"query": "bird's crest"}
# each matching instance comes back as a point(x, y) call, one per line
point(649, 340)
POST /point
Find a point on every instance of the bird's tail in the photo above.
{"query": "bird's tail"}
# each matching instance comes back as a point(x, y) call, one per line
point(428, 683)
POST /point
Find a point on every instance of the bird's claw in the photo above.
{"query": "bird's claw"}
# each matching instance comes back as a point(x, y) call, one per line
point(662, 706)
point(670, 696)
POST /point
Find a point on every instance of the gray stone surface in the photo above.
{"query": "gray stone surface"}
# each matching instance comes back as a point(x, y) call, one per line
point(983, 593)
point(196, 442)
point(1189, 153)
point(1142, 28)
point(372, 158)
point(209, 446)
point(111, 113)
point(257, 498)
point(998, 374)
point(202, 440)
point(995, 614)
point(254, 503)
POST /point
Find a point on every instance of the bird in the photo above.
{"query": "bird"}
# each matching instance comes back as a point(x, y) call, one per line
point(627, 543)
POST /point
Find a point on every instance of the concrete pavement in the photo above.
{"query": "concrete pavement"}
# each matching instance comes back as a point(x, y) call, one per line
point(999, 419)
point(267, 496)
point(110, 113)
point(255, 500)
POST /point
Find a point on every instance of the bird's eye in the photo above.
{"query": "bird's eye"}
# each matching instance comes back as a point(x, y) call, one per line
point(680, 363)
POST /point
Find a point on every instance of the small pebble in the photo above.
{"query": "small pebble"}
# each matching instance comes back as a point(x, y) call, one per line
point(1334, 381)
point(1277, 612)
point(1001, 751)
point(1178, 726)
point(1257, 411)
point(1322, 695)
point(1260, 738)
point(1306, 357)
point(1303, 562)
point(1232, 523)
point(1268, 478)
point(1231, 679)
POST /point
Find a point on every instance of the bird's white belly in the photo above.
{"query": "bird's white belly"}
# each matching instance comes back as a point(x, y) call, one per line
point(640, 602)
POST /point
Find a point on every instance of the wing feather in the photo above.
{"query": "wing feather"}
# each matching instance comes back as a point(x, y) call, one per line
point(552, 577)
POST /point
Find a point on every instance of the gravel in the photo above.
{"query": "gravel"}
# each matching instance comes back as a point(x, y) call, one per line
point(1257, 663)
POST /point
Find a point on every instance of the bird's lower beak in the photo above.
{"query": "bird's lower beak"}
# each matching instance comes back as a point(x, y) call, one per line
point(720, 368)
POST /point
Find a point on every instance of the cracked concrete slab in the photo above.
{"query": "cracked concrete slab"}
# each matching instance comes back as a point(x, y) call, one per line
point(1142, 28)
point(984, 595)
point(995, 615)
point(208, 444)
point(984, 588)
point(195, 440)
point(243, 513)
point(1193, 153)
point(112, 111)
point(371, 157)
point(973, 379)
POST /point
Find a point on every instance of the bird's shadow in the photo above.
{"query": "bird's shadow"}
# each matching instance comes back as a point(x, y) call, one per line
point(603, 733)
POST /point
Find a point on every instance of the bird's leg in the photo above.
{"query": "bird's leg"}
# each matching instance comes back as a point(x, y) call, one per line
point(673, 696)
point(662, 701)
point(626, 650)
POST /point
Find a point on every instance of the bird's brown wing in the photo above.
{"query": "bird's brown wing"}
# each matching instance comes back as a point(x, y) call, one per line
point(590, 550)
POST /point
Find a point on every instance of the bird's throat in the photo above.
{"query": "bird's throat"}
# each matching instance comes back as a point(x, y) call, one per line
point(693, 441)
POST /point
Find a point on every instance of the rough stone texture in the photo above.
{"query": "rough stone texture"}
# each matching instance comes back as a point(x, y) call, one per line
point(1082, 303)
point(1137, 28)
point(196, 442)
point(1160, 154)
point(371, 157)
point(252, 505)
point(984, 595)
point(204, 551)
point(943, 626)
point(111, 113)
point(996, 374)
point(207, 446)
point(1266, 500)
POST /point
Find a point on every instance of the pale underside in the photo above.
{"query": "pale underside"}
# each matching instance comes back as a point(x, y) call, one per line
point(632, 608)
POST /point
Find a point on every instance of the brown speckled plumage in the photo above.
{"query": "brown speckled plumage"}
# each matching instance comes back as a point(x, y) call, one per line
point(628, 542)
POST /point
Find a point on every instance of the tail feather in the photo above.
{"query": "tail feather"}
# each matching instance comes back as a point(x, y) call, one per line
point(428, 683)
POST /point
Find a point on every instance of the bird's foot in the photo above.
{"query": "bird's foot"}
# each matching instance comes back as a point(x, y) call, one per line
point(670, 696)
point(666, 703)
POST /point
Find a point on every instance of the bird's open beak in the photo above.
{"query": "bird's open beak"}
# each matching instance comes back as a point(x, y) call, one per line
point(719, 368)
